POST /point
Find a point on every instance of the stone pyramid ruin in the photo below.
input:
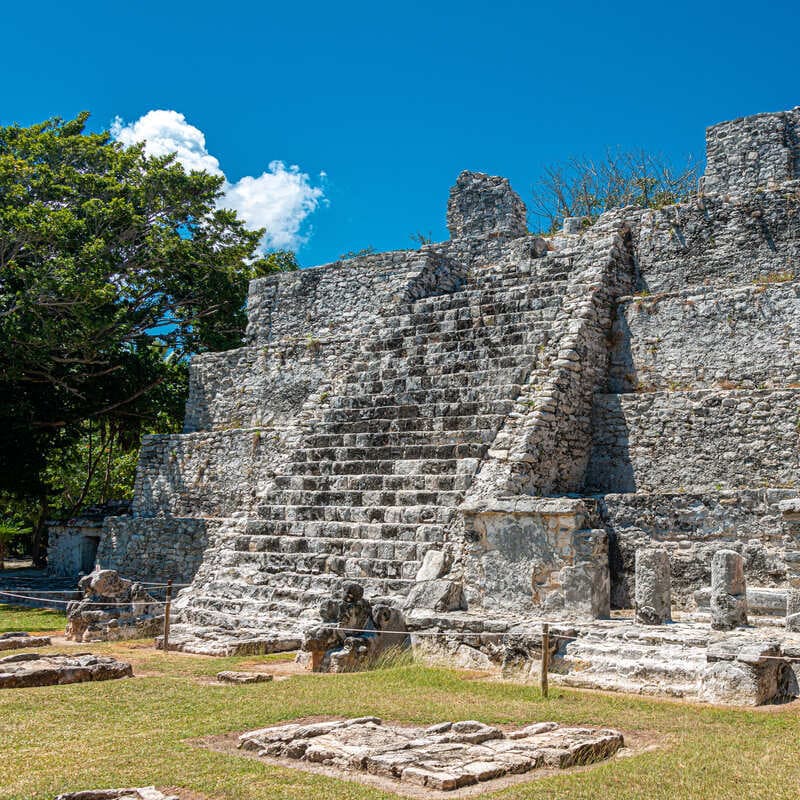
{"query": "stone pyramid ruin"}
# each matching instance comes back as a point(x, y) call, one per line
point(484, 431)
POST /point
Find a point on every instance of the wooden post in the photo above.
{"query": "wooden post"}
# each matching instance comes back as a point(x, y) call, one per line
point(545, 657)
point(167, 607)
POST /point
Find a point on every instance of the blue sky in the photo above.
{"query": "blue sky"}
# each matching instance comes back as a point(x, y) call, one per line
point(391, 100)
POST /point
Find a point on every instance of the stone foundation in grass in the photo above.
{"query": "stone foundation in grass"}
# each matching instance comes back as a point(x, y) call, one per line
point(446, 756)
point(32, 669)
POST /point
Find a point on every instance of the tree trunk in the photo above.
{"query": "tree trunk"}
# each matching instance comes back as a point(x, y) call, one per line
point(39, 534)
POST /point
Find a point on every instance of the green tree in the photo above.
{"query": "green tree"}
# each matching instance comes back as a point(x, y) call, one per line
point(114, 266)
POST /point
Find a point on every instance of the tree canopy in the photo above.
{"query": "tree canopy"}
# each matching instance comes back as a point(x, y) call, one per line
point(113, 267)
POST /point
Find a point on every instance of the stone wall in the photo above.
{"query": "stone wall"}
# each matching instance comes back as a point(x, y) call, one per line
point(744, 337)
point(71, 549)
point(343, 298)
point(705, 439)
point(266, 385)
point(754, 152)
point(482, 205)
point(718, 241)
point(693, 526)
point(207, 474)
point(154, 549)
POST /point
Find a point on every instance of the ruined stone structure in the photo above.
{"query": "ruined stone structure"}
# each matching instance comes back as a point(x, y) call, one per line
point(485, 431)
point(441, 757)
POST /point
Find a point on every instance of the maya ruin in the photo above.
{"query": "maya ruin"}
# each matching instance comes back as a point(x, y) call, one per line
point(598, 430)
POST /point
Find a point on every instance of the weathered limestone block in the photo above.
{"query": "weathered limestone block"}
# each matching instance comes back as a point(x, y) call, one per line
point(728, 591)
point(793, 609)
point(747, 673)
point(15, 640)
point(231, 676)
point(142, 793)
point(33, 669)
point(653, 599)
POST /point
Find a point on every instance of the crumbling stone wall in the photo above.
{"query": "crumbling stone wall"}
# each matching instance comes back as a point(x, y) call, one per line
point(752, 153)
point(742, 337)
point(208, 474)
point(705, 439)
point(168, 548)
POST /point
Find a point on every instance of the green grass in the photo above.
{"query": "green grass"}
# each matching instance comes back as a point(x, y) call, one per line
point(33, 620)
point(136, 732)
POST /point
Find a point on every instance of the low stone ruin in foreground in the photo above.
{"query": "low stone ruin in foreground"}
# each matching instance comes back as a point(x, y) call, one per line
point(501, 430)
point(142, 793)
point(446, 756)
point(17, 640)
point(33, 669)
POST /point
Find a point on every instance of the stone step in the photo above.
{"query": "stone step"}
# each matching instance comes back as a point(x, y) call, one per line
point(427, 466)
point(375, 531)
point(400, 452)
point(491, 292)
point(484, 435)
point(448, 364)
point(350, 547)
point(355, 567)
point(368, 497)
point(472, 426)
point(390, 514)
point(421, 410)
point(471, 327)
point(435, 483)
point(656, 661)
point(400, 384)
point(423, 397)
point(484, 340)
point(494, 313)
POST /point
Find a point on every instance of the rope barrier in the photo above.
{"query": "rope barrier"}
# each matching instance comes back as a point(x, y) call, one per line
point(84, 602)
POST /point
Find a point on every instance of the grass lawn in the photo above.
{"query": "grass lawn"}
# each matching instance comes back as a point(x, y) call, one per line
point(32, 620)
point(136, 732)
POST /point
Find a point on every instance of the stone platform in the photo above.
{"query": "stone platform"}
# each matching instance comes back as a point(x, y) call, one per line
point(442, 757)
point(686, 658)
point(32, 669)
point(17, 640)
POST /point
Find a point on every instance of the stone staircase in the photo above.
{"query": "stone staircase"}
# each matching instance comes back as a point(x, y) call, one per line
point(378, 476)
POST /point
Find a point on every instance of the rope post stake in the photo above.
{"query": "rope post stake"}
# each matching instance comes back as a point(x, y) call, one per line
point(545, 657)
point(167, 608)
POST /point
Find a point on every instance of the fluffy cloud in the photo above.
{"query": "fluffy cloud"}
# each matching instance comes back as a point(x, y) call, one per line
point(279, 199)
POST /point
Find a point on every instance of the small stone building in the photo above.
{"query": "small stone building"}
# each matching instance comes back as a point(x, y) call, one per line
point(72, 544)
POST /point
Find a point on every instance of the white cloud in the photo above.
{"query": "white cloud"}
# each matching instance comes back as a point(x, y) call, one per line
point(280, 199)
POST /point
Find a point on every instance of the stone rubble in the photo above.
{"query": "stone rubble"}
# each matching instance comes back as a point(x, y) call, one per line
point(231, 676)
point(354, 634)
point(442, 757)
point(33, 669)
point(112, 608)
point(15, 640)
